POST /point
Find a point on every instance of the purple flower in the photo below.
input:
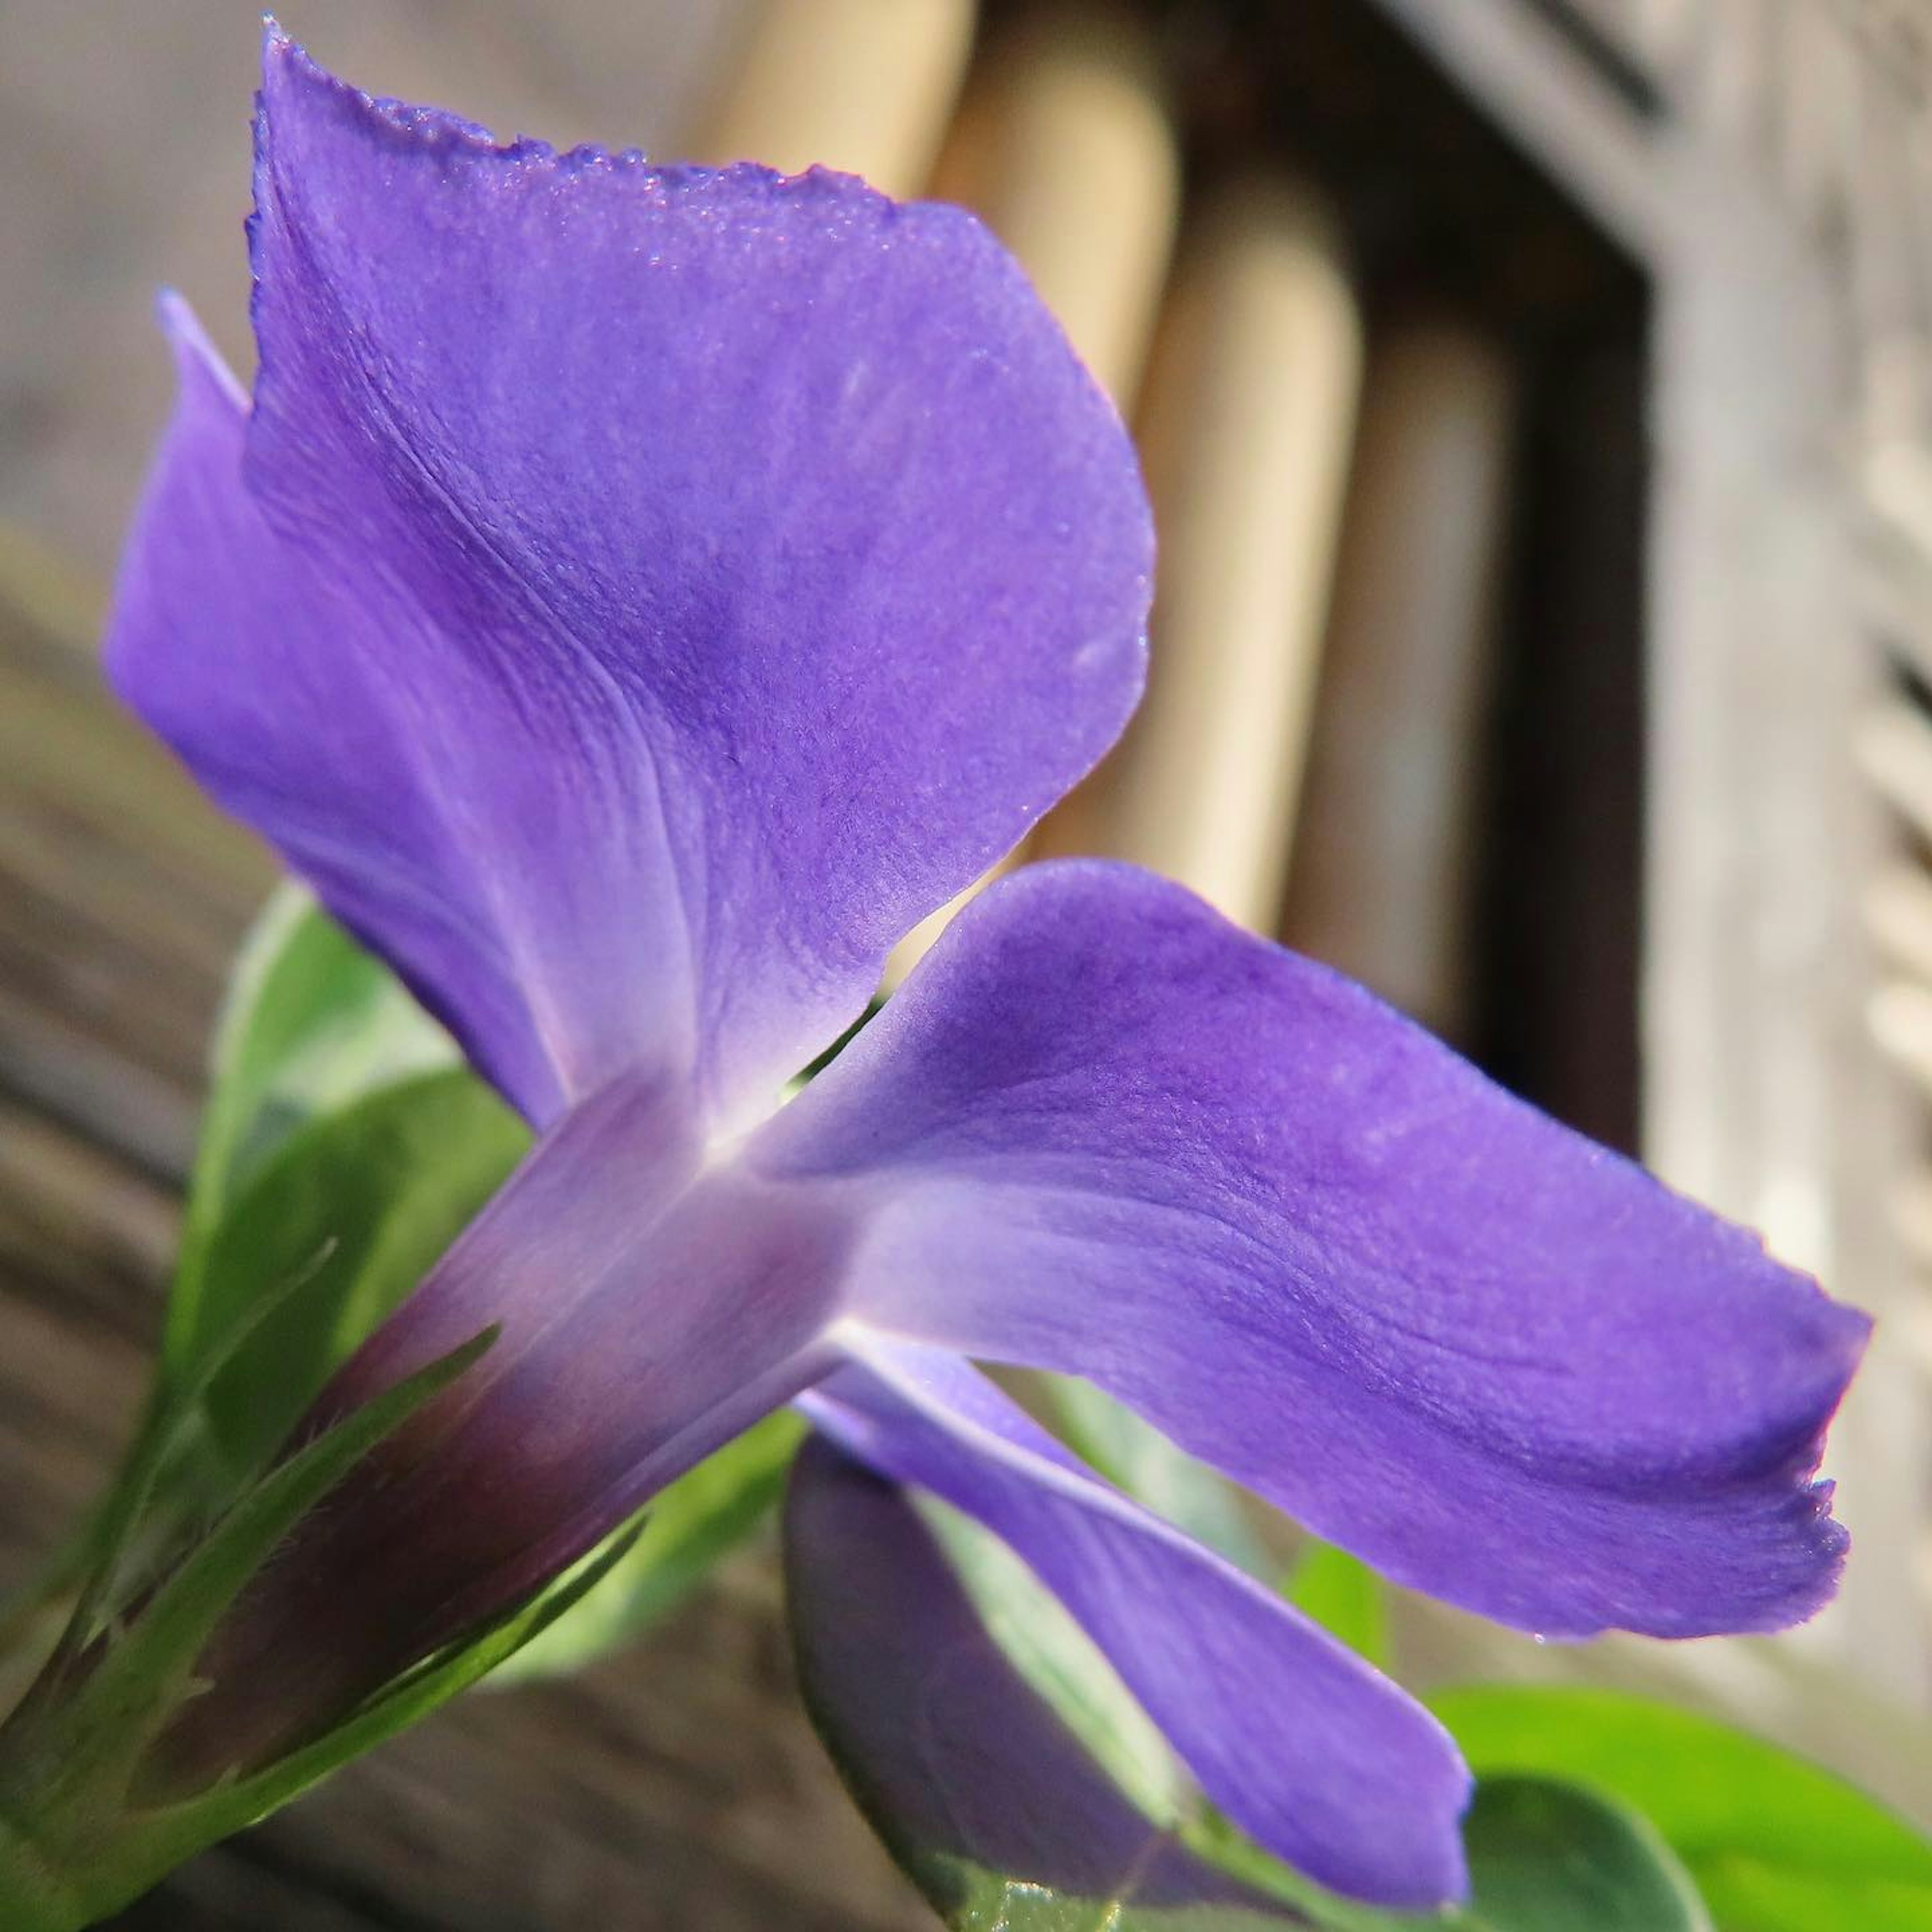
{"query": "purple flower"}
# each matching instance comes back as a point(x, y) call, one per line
point(633, 597)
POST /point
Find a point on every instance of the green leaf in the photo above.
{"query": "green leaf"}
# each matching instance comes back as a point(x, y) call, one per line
point(1549, 1857)
point(1747, 1898)
point(691, 1526)
point(310, 1021)
point(355, 1208)
point(1345, 1597)
point(1774, 1844)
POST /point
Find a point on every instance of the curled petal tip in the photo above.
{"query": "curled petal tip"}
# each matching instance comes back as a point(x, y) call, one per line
point(280, 48)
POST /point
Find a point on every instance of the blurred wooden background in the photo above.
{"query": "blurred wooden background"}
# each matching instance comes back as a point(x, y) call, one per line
point(1536, 408)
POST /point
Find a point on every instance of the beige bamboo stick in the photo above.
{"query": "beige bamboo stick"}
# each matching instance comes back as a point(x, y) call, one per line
point(1246, 427)
point(1897, 907)
point(1911, 1222)
point(1384, 876)
point(1733, 71)
point(1900, 1015)
point(1893, 745)
point(1064, 144)
point(1664, 30)
point(864, 85)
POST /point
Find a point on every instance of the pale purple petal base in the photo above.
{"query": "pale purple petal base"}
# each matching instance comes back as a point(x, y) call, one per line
point(646, 1316)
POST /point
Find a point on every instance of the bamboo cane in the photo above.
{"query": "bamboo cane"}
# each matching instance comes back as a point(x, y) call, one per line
point(1384, 877)
point(864, 85)
point(1246, 425)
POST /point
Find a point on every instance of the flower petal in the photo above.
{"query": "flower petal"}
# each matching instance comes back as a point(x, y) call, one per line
point(1299, 1742)
point(972, 1779)
point(637, 595)
point(247, 653)
point(1105, 1131)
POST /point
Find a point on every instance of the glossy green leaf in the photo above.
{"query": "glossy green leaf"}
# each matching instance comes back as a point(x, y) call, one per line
point(310, 1022)
point(1544, 1856)
point(1775, 1844)
point(690, 1527)
point(1549, 1857)
point(1345, 1597)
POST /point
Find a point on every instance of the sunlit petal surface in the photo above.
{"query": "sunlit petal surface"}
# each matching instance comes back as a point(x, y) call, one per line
point(636, 595)
point(1104, 1131)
